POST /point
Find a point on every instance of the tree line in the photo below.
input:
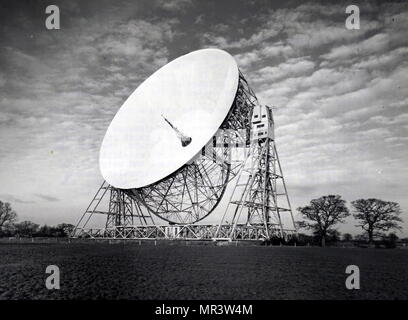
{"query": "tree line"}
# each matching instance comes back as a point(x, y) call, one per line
point(9, 227)
point(374, 217)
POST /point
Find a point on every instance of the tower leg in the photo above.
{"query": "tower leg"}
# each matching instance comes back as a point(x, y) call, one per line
point(121, 214)
point(260, 192)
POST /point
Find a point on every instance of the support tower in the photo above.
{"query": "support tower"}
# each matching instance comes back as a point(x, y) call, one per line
point(259, 200)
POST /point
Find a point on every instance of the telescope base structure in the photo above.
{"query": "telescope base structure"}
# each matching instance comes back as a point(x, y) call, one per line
point(259, 197)
point(183, 232)
point(125, 220)
point(256, 210)
point(118, 208)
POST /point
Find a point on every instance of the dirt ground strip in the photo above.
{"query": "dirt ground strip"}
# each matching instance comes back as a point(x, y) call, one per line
point(132, 271)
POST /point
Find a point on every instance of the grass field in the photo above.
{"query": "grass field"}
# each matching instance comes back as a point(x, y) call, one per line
point(130, 271)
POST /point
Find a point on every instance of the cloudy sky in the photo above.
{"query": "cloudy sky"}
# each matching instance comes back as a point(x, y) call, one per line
point(341, 95)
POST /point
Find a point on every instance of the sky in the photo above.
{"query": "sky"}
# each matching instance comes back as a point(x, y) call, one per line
point(340, 95)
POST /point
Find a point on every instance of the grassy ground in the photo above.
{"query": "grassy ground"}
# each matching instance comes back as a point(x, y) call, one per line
point(130, 271)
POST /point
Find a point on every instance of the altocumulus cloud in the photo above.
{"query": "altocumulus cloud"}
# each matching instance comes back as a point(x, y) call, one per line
point(340, 95)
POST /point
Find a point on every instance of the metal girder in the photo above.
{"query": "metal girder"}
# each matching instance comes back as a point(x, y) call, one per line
point(195, 190)
point(179, 232)
point(255, 199)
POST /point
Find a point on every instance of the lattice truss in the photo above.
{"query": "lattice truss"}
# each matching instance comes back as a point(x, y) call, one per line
point(259, 198)
point(193, 192)
point(262, 200)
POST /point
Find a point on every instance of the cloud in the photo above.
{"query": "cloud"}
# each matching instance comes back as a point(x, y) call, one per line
point(58, 100)
point(401, 119)
point(290, 68)
point(387, 60)
point(215, 39)
point(341, 97)
point(137, 38)
point(13, 199)
point(305, 27)
point(266, 51)
point(46, 197)
point(2, 80)
point(174, 5)
point(375, 44)
point(333, 113)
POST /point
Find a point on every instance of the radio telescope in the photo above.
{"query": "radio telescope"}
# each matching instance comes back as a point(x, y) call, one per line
point(168, 154)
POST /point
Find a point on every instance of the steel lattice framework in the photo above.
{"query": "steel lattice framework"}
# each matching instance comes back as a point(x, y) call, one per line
point(194, 191)
point(256, 203)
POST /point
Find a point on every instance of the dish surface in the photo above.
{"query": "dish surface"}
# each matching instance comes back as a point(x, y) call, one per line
point(168, 119)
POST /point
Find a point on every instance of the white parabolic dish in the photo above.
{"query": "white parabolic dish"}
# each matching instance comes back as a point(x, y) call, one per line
point(194, 92)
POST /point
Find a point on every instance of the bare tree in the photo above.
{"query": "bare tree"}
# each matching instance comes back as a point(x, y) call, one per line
point(7, 215)
point(376, 215)
point(26, 229)
point(347, 237)
point(65, 229)
point(324, 213)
